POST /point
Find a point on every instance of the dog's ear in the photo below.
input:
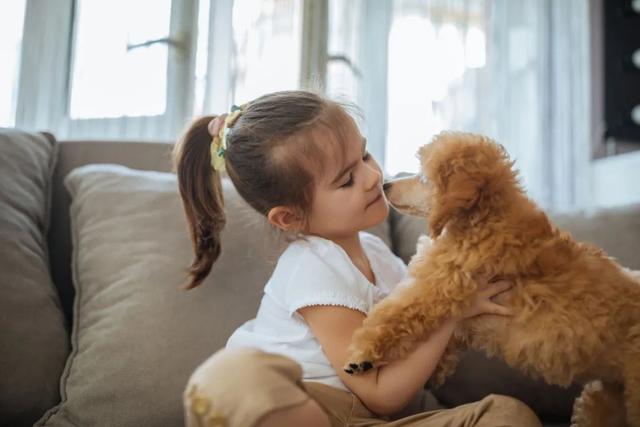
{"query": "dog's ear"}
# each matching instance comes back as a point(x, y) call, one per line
point(466, 172)
point(461, 192)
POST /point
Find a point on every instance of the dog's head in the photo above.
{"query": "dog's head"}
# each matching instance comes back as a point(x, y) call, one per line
point(463, 176)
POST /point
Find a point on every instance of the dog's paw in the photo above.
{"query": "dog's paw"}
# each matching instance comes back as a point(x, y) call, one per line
point(360, 362)
point(353, 368)
point(582, 405)
point(599, 405)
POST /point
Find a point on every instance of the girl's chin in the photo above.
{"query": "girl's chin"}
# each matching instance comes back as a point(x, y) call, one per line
point(378, 214)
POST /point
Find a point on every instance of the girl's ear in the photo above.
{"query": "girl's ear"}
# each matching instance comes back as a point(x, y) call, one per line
point(285, 218)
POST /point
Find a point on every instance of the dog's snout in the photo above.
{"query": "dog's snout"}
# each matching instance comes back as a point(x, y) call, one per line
point(386, 186)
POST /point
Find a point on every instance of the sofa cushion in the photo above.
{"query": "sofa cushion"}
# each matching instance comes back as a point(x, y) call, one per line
point(616, 230)
point(136, 337)
point(145, 155)
point(33, 342)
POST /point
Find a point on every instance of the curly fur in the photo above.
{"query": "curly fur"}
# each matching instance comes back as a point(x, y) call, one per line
point(577, 312)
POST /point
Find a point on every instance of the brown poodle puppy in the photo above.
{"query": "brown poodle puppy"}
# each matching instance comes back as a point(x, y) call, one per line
point(576, 312)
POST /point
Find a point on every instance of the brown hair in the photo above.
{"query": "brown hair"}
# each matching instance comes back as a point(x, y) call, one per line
point(273, 154)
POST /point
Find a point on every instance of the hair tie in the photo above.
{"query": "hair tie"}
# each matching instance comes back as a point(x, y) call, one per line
point(219, 142)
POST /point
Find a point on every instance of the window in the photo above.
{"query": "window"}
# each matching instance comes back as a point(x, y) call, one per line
point(116, 69)
point(266, 47)
point(137, 81)
point(414, 67)
point(11, 23)
point(435, 83)
point(245, 49)
point(120, 69)
point(343, 73)
point(356, 66)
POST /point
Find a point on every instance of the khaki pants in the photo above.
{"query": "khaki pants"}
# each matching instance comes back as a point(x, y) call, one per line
point(239, 387)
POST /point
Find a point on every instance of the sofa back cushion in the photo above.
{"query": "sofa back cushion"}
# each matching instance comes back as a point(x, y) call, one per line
point(33, 337)
point(137, 337)
point(72, 154)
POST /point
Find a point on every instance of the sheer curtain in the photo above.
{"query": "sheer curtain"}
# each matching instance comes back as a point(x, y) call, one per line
point(540, 106)
point(251, 48)
point(515, 70)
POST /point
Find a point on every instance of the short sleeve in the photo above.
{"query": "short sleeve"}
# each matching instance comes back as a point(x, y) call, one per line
point(321, 278)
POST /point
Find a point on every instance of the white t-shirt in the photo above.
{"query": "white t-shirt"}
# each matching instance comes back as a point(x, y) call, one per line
point(316, 271)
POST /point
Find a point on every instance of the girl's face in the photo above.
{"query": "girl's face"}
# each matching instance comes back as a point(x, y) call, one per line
point(348, 197)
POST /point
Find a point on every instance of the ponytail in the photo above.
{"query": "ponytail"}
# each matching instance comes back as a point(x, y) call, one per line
point(201, 192)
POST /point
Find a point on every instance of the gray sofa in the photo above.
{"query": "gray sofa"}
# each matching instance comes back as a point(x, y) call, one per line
point(94, 329)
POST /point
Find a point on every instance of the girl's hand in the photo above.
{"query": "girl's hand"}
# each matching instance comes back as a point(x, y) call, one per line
point(482, 303)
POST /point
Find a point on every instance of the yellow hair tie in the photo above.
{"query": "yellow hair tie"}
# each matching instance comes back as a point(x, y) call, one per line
point(219, 143)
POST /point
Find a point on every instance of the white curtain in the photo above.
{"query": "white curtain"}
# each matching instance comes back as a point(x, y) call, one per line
point(50, 48)
point(515, 70)
point(539, 107)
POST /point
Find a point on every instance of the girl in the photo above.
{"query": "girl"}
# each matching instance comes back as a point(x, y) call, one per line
point(300, 161)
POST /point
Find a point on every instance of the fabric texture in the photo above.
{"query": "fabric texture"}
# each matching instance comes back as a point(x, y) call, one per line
point(136, 337)
point(33, 338)
point(239, 387)
point(275, 384)
point(72, 154)
point(316, 271)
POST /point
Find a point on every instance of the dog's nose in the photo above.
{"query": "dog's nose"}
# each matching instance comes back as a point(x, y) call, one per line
point(386, 186)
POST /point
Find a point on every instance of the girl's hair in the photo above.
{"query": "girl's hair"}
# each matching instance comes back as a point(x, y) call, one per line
point(274, 152)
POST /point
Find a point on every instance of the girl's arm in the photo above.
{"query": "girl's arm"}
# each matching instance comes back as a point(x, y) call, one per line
point(387, 389)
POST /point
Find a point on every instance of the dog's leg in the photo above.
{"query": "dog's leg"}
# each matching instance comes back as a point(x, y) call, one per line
point(395, 326)
point(599, 405)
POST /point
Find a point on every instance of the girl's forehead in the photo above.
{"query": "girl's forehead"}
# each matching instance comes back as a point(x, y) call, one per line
point(329, 143)
point(339, 148)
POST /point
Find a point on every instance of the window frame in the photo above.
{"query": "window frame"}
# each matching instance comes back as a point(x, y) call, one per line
point(48, 57)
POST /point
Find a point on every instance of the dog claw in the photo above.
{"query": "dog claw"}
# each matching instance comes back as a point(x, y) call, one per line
point(358, 368)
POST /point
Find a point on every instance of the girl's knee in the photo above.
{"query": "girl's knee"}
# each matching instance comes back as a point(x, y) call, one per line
point(514, 411)
point(227, 366)
point(226, 387)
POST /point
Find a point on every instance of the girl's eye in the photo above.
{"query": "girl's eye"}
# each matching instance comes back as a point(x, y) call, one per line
point(348, 183)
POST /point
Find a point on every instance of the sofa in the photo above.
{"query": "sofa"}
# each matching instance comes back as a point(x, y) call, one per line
point(94, 244)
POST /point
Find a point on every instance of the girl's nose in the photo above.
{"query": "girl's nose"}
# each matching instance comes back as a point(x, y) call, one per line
point(374, 175)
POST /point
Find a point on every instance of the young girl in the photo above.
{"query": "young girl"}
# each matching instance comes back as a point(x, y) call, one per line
point(300, 160)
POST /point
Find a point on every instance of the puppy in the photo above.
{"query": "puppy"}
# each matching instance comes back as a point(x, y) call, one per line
point(576, 312)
